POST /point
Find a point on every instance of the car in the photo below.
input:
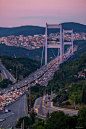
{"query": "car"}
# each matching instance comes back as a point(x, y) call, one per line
point(49, 98)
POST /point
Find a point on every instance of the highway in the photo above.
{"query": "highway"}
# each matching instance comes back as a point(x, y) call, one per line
point(5, 73)
point(18, 110)
point(41, 76)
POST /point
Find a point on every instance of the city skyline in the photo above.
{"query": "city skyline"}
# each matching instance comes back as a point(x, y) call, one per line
point(38, 12)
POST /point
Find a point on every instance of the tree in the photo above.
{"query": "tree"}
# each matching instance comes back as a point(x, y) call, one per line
point(4, 83)
point(32, 116)
point(54, 100)
point(59, 120)
point(84, 96)
point(40, 127)
point(27, 122)
point(40, 122)
point(81, 121)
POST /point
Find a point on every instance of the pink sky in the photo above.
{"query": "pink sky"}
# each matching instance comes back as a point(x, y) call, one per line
point(38, 12)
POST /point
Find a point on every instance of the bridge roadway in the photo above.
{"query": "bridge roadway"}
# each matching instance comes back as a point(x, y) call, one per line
point(41, 76)
point(18, 110)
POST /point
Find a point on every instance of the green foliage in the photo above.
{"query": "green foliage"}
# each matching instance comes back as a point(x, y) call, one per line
point(37, 90)
point(40, 124)
point(36, 54)
point(84, 95)
point(32, 116)
point(59, 120)
point(81, 121)
point(40, 127)
point(4, 83)
point(66, 84)
point(32, 54)
point(76, 92)
point(80, 50)
point(23, 66)
point(27, 122)
point(53, 83)
point(54, 100)
point(67, 103)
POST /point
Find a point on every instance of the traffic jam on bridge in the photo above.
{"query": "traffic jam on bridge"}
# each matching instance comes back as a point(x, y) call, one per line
point(41, 76)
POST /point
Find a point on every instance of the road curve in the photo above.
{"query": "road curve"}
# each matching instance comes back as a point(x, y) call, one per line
point(44, 108)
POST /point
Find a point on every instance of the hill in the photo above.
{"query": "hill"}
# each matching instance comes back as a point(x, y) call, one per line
point(22, 65)
point(81, 49)
point(18, 51)
point(69, 83)
point(37, 53)
point(32, 30)
point(22, 30)
point(77, 27)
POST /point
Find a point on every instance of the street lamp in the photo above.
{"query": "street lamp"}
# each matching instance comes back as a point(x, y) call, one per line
point(47, 91)
point(16, 73)
point(51, 90)
point(29, 97)
point(74, 102)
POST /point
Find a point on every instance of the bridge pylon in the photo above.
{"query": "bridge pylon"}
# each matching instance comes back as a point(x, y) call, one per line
point(58, 45)
point(70, 42)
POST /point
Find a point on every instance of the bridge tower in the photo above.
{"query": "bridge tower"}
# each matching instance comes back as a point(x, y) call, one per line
point(68, 43)
point(53, 45)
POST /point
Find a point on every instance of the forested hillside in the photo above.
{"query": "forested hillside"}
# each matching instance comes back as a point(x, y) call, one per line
point(22, 30)
point(23, 66)
point(37, 53)
point(32, 30)
point(69, 82)
point(32, 54)
point(81, 48)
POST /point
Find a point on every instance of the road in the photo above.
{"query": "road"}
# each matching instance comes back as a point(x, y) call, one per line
point(5, 73)
point(41, 76)
point(18, 110)
point(43, 109)
point(39, 103)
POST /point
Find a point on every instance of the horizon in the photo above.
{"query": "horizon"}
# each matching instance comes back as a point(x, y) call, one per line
point(41, 26)
point(39, 12)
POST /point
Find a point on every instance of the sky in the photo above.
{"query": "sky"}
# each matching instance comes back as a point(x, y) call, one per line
point(15, 13)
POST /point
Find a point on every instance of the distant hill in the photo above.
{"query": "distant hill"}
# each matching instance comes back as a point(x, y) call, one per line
point(80, 50)
point(22, 30)
point(77, 27)
point(37, 53)
point(18, 51)
point(32, 30)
